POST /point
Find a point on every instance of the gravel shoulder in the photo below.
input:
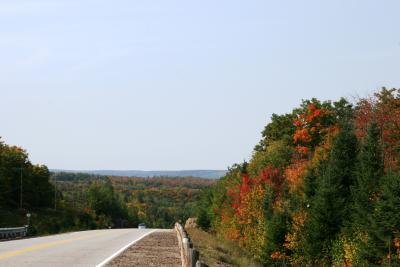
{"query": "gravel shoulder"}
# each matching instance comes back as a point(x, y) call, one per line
point(157, 249)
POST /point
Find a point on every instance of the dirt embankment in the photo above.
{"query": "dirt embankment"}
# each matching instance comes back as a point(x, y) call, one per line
point(157, 249)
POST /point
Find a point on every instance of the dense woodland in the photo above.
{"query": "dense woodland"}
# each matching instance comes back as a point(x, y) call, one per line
point(321, 189)
point(158, 201)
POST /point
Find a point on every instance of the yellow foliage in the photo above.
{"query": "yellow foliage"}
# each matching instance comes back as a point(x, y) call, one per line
point(253, 221)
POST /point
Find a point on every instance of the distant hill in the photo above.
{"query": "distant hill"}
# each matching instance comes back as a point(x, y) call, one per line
point(209, 174)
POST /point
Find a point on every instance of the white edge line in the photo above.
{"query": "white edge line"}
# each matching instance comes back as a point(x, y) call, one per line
point(103, 263)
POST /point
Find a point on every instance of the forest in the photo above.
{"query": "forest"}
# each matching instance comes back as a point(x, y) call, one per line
point(322, 187)
point(61, 202)
point(158, 202)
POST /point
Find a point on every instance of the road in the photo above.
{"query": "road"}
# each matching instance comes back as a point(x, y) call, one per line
point(85, 248)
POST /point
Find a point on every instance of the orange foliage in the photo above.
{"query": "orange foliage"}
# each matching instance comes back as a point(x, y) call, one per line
point(302, 135)
point(396, 242)
point(309, 129)
point(294, 173)
point(240, 194)
point(250, 216)
point(278, 255)
point(243, 218)
point(246, 222)
point(302, 150)
point(292, 238)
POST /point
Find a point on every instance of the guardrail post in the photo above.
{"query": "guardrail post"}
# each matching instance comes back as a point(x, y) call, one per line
point(185, 244)
point(190, 256)
point(194, 257)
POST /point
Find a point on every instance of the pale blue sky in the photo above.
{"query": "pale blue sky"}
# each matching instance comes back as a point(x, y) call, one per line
point(179, 84)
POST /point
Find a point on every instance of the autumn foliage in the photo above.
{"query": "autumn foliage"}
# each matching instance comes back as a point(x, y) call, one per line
point(384, 109)
point(266, 205)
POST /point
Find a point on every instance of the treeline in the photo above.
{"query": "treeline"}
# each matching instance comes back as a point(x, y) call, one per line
point(321, 189)
point(60, 202)
point(136, 182)
point(28, 188)
point(22, 184)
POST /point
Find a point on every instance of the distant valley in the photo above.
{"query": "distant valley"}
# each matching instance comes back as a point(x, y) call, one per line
point(209, 174)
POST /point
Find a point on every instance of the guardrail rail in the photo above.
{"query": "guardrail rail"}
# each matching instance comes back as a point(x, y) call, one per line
point(7, 233)
point(190, 256)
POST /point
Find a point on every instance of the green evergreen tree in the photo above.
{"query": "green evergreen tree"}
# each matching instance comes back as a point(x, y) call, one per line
point(275, 232)
point(329, 206)
point(385, 228)
point(369, 172)
point(203, 206)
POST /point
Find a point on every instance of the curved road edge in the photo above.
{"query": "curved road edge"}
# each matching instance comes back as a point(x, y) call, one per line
point(110, 258)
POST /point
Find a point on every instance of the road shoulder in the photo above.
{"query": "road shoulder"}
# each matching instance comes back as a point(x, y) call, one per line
point(159, 248)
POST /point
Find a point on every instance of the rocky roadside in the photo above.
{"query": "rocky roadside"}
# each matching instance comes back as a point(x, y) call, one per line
point(157, 249)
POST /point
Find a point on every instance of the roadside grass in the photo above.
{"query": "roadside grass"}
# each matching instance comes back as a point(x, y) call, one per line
point(216, 252)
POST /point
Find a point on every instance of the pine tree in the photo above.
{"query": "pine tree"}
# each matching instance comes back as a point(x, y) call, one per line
point(275, 232)
point(368, 173)
point(276, 227)
point(203, 206)
point(385, 230)
point(329, 206)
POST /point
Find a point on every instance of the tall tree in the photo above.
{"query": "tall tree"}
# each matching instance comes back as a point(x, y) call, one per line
point(329, 206)
point(385, 230)
point(368, 173)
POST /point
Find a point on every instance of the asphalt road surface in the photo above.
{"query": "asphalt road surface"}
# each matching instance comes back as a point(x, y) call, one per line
point(86, 248)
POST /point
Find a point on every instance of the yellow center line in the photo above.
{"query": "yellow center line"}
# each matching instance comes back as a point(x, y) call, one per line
point(41, 246)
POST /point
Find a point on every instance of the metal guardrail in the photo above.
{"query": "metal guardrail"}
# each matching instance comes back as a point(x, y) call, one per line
point(189, 255)
point(7, 233)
